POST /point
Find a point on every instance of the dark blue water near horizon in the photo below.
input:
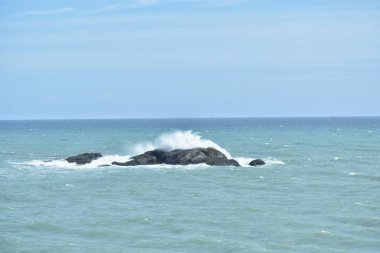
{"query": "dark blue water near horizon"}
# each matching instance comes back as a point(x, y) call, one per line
point(318, 192)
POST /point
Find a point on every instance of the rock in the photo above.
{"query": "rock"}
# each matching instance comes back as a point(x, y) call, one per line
point(217, 158)
point(209, 156)
point(185, 157)
point(119, 163)
point(159, 154)
point(223, 162)
point(143, 159)
point(233, 162)
point(212, 153)
point(83, 158)
point(256, 162)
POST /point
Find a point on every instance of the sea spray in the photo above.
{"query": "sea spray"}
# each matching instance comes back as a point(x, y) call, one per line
point(166, 141)
point(61, 163)
point(178, 140)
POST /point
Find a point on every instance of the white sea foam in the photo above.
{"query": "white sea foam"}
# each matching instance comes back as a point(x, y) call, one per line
point(325, 232)
point(244, 161)
point(166, 141)
point(105, 160)
point(178, 140)
point(273, 161)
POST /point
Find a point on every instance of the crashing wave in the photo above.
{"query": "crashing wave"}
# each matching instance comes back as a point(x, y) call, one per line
point(168, 141)
point(178, 140)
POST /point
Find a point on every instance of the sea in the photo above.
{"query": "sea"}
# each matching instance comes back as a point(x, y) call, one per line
point(319, 190)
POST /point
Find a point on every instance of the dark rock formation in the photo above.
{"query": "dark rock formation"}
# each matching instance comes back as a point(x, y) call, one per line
point(212, 153)
point(83, 158)
point(159, 154)
point(256, 162)
point(143, 159)
point(223, 162)
point(185, 157)
point(120, 164)
point(209, 156)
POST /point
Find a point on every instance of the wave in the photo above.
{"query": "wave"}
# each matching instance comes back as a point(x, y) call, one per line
point(166, 141)
point(178, 140)
point(105, 160)
point(244, 161)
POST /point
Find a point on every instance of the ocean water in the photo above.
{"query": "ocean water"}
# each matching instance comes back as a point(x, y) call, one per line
point(318, 192)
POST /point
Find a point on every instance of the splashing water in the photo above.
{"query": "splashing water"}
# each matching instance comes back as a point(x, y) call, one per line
point(166, 141)
point(178, 140)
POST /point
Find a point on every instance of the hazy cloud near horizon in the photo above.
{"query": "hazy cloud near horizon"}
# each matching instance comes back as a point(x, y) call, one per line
point(190, 58)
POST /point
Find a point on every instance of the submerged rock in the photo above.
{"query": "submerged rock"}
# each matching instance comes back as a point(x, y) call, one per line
point(83, 158)
point(257, 162)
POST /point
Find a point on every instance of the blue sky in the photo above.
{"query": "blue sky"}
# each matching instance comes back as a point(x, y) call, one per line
point(189, 58)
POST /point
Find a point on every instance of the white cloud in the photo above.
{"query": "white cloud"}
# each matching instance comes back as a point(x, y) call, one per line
point(122, 6)
point(143, 3)
point(108, 8)
point(212, 3)
point(46, 12)
point(134, 4)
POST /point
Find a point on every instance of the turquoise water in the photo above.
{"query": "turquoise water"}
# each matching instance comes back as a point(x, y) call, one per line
point(319, 192)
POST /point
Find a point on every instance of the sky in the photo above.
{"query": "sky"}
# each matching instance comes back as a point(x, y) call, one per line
point(72, 59)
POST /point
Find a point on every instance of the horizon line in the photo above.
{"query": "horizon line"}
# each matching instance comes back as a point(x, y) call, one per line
point(184, 118)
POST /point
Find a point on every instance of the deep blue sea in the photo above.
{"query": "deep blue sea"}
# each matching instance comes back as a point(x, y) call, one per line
point(318, 192)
